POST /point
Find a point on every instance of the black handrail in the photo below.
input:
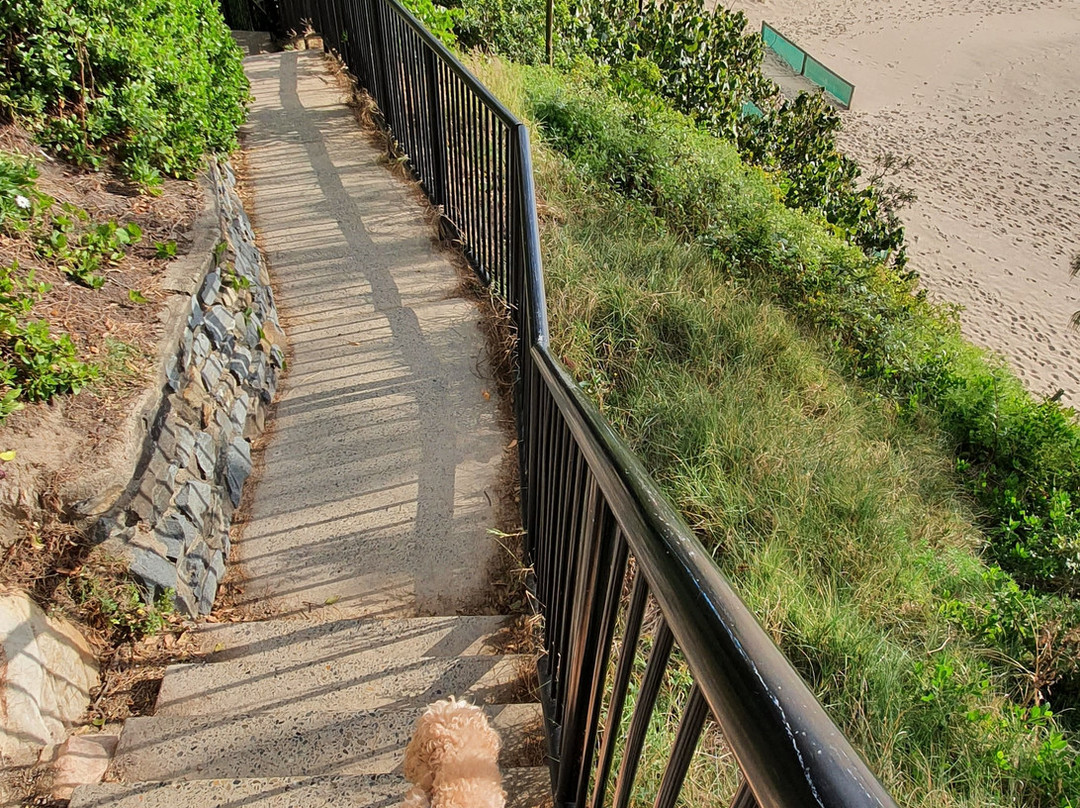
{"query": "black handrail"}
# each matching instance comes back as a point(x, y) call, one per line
point(588, 505)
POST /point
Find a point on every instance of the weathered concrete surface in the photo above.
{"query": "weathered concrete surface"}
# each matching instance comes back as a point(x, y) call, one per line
point(378, 486)
point(361, 682)
point(409, 638)
point(297, 743)
point(525, 788)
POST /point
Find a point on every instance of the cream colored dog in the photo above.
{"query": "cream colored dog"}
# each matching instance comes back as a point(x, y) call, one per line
point(453, 759)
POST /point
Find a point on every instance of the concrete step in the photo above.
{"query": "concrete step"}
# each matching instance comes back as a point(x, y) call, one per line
point(363, 680)
point(525, 788)
point(321, 639)
point(298, 743)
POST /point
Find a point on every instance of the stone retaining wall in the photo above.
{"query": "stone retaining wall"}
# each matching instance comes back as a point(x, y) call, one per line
point(172, 523)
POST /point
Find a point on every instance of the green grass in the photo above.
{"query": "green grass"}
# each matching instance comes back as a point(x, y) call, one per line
point(838, 516)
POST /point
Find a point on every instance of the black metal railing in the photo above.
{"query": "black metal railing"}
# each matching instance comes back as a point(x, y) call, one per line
point(589, 507)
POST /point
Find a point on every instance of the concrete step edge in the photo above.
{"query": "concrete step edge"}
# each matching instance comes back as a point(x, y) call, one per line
point(526, 788)
point(349, 683)
point(464, 635)
point(165, 748)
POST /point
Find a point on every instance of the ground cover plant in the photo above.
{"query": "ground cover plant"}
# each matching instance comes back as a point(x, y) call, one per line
point(155, 84)
point(756, 364)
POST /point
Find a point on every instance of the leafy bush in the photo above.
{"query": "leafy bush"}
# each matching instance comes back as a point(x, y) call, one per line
point(512, 28)
point(16, 193)
point(709, 68)
point(155, 83)
point(438, 19)
point(34, 364)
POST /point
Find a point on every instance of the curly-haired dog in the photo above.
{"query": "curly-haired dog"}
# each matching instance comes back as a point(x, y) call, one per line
point(453, 759)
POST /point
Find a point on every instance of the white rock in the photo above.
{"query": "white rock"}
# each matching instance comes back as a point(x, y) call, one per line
point(82, 761)
point(46, 672)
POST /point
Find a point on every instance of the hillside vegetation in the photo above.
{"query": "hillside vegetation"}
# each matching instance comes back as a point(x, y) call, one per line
point(899, 511)
point(155, 84)
point(147, 87)
point(835, 506)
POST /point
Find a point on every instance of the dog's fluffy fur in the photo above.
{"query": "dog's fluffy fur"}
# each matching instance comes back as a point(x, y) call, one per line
point(453, 759)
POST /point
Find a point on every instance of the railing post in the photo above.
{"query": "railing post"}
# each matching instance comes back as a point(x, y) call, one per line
point(595, 601)
point(439, 146)
point(382, 83)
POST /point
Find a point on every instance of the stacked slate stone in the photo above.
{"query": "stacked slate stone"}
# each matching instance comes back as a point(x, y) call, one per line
point(176, 526)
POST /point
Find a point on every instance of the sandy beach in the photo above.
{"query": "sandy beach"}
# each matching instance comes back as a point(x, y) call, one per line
point(984, 96)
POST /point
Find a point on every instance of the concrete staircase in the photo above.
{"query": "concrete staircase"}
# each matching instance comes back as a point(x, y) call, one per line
point(372, 506)
point(294, 712)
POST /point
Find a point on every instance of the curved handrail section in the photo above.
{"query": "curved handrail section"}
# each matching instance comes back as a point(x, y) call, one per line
point(588, 505)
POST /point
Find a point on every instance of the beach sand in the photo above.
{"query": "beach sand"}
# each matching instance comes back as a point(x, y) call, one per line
point(984, 96)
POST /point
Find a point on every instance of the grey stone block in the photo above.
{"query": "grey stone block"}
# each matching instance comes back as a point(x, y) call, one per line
point(200, 348)
point(251, 332)
point(185, 600)
point(210, 288)
point(165, 487)
point(156, 573)
point(219, 322)
point(257, 371)
point(208, 588)
point(205, 454)
point(211, 372)
point(239, 411)
point(177, 533)
point(240, 362)
point(187, 346)
point(196, 318)
point(194, 499)
point(184, 446)
point(172, 373)
point(237, 468)
point(192, 569)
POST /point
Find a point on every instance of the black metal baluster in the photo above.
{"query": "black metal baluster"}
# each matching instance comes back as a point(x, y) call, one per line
point(643, 708)
point(744, 797)
point(597, 651)
point(567, 571)
point(627, 650)
point(585, 653)
point(693, 719)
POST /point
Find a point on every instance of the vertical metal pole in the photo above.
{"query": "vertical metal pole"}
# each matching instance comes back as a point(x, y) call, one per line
point(693, 720)
point(437, 188)
point(548, 33)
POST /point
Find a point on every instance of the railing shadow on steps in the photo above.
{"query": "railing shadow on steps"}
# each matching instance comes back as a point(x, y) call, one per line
point(589, 507)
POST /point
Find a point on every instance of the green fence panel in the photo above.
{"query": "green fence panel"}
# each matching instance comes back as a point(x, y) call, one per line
point(835, 86)
point(806, 65)
point(782, 47)
point(751, 110)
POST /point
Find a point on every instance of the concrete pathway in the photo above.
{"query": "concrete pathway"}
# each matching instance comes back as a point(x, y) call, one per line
point(367, 532)
point(378, 488)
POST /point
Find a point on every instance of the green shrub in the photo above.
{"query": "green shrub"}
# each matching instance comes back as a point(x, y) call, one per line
point(438, 19)
point(512, 28)
point(35, 365)
point(709, 67)
point(155, 83)
point(17, 193)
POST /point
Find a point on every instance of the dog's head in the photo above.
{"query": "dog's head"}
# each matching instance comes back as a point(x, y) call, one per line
point(449, 730)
